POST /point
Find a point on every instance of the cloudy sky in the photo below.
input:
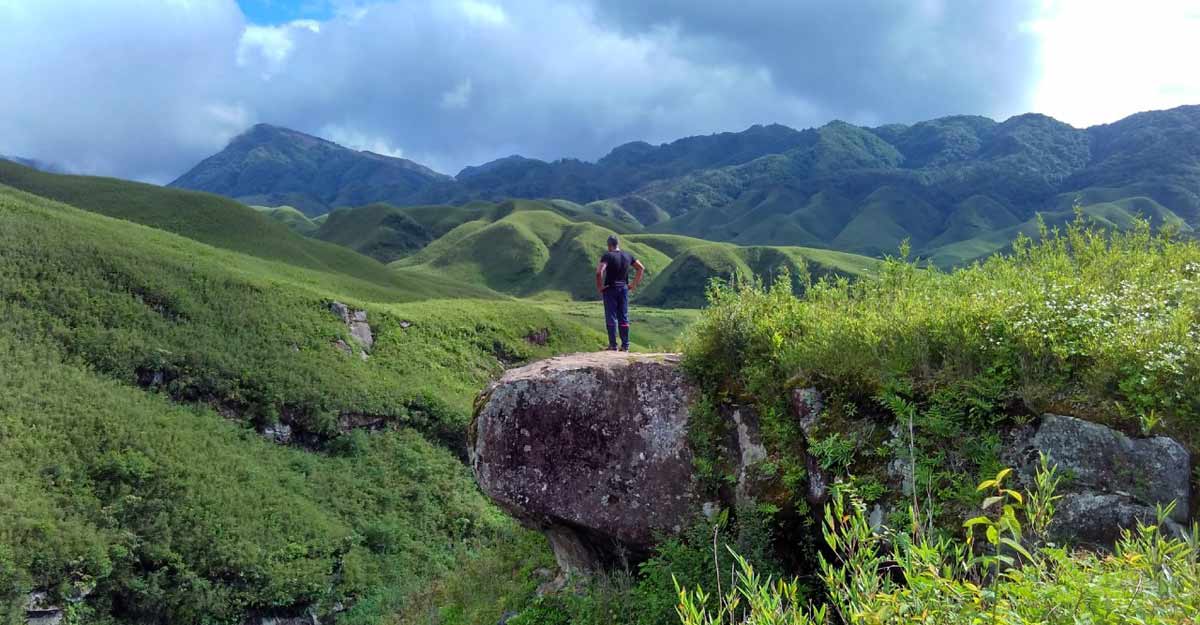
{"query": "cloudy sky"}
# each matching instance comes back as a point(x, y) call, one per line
point(144, 89)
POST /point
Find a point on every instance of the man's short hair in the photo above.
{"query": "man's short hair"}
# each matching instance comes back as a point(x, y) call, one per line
point(613, 241)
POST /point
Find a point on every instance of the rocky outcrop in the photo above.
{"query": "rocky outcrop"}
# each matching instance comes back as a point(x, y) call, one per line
point(807, 407)
point(356, 323)
point(40, 610)
point(1111, 481)
point(592, 450)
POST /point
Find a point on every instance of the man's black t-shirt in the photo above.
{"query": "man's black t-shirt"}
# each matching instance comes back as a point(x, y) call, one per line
point(616, 268)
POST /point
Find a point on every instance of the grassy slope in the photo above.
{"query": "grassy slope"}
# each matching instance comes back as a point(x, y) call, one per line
point(227, 224)
point(206, 218)
point(295, 220)
point(389, 233)
point(540, 254)
point(525, 253)
point(1119, 214)
point(684, 282)
point(224, 523)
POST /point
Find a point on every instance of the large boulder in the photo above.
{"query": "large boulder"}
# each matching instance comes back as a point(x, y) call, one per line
point(591, 449)
point(1110, 481)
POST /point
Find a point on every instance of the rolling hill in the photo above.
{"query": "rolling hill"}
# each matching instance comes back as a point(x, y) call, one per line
point(388, 233)
point(295, 220)
point(229, 225)
point(149, 382)
point(950, 186)
point(955, 188)
point(534, 251)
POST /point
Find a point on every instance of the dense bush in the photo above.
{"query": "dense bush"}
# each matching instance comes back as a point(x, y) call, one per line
point(1097, 325)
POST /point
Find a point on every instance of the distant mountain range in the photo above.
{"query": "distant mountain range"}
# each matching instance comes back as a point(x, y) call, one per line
point(957, 188)
point(50, 168)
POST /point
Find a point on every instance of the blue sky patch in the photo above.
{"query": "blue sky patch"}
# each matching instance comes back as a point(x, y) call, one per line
point(271, 12)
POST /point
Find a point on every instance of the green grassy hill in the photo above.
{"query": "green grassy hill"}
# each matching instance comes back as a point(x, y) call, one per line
point(533, 253)
point(297, 221)
point(994, 236)
point(526, 252)
point(138, 366)
point(684, 282)
point(201, 216)
point(388, 233)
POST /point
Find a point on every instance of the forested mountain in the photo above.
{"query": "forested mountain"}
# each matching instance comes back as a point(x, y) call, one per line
point(957, 188)
point(272, 166)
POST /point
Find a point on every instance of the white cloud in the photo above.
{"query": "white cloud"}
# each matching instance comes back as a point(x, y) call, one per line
point(268, 47)
point(358, 140)
point(483, 12)
point(146, 89)
point(128, 88)
point(1102, 60)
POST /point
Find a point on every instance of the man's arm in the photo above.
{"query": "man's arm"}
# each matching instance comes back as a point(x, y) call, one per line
point(600, 276)
point(637, 278)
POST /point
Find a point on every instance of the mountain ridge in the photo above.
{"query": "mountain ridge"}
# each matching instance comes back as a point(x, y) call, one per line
point(840, 186)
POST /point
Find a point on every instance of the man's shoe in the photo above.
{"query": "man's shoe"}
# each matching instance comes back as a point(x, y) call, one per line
point(624, 348)
point(610, 348)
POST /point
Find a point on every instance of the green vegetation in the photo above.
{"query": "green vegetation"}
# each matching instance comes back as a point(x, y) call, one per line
point(958, 189)
point(503, 582)
point(206, 218)
point(527, 252)
point(1081, 323)
point(538, 253)
point(297, 221)
point(138, 365)
point(1015, 578)
point(683, 282)
point(389, 233)
point(653, 329)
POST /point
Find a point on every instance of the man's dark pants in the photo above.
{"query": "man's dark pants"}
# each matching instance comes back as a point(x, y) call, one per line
point(616, 313)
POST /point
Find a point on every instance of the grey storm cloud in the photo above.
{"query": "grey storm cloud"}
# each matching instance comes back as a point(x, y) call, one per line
point(145, 89)
point(869, 61)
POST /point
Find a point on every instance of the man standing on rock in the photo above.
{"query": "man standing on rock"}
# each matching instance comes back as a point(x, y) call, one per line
point(612, 280)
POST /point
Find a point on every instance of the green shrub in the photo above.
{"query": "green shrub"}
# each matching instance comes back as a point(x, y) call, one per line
point(1014, 578)
point(1102, 326)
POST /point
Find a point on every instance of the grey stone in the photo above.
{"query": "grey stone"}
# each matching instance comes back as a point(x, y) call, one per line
point(341, 311)
point(751, 451)
point(875, 518)
point(278, 432)
point(40, 610)
point(592, 450)
point(1096, 520)
point(807, 406)
point(1110, 481)
point(356, 323)
point(900, 470)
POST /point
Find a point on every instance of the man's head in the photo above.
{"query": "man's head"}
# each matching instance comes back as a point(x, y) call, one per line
point(613, 242)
